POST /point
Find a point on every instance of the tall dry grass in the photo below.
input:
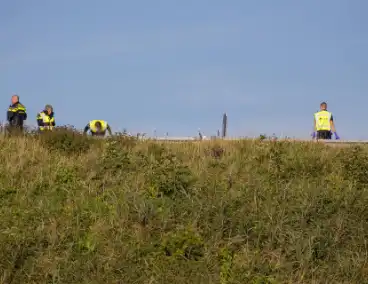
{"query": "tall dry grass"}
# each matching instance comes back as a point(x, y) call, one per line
point(76, 210)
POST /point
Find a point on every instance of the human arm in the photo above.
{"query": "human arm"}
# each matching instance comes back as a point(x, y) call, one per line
point(40, 122)
point(333, 128)
point(21, 110)
point(9, 114)
point(109, 129)
point(86, 128)
point(332, 124)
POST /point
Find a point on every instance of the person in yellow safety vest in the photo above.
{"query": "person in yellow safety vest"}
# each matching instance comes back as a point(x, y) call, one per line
point(46, 119)
point(323, 124)
point(98, 128)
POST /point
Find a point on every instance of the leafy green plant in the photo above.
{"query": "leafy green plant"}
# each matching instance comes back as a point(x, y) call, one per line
point(226, 261)
point(67, 140)
point(169, 176)
point(184, 243)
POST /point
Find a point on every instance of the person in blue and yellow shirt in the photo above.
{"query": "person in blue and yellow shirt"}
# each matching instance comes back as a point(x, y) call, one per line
point(16, 114)
point(98, 128)
point(323, 124)
point(46, 119)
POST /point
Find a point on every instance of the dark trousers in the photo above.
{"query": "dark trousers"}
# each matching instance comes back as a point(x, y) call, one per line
point(324, 134)
point(98, 134)
point(15, 125)
point(13, 132)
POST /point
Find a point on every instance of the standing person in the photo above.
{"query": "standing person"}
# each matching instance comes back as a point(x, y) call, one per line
point(98, 128)
point(46, 119)
point(16, 114)
point(323, 124)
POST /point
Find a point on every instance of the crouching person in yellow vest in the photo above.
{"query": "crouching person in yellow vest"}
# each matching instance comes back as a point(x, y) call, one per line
point(46, 119)
point(323, 124)
point(98, 128)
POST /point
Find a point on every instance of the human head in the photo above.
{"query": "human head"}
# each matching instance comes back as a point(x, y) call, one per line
point(14, 99)
point(323, 106)
point(49, 109)
point(98, 125)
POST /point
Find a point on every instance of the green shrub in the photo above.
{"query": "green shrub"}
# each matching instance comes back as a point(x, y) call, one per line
point(169, 176)
point(66, 140)
point(183, 243)
point(120, 210)
point(354, 162)
point(115, 157)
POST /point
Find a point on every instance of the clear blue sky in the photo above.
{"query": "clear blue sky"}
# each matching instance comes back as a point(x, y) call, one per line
point(176, 66)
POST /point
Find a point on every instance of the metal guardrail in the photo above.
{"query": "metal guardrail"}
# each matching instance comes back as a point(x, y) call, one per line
point(188, 139)
point(215, 138)
point(345, 141)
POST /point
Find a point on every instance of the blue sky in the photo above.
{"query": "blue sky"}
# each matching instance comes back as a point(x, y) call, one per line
point(176, 66)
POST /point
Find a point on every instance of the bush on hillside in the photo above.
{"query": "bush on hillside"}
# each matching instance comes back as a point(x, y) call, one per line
point(67, 140)
point(150, 212)
point(167, 174)
point(184, 243)
point(355, 165)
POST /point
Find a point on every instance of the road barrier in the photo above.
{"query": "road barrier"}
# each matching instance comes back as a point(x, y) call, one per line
point(197, 139)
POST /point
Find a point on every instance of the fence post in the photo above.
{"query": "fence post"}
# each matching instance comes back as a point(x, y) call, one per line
point(224, 125)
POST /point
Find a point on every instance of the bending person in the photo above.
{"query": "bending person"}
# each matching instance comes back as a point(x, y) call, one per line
point(98, 128)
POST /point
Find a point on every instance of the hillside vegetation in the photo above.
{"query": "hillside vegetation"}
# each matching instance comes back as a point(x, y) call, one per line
point(77, 210)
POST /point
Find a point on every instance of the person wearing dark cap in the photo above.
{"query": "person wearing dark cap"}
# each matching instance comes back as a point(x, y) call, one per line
point(323, 124)
point(16, 114)
point(46, 119)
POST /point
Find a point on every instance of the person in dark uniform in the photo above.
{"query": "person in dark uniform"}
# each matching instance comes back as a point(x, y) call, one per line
point(16, 115)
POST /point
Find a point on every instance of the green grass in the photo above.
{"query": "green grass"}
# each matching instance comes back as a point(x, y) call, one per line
point(76, 210)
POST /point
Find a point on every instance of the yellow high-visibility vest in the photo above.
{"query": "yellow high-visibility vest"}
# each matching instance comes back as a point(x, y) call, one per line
point(323, 119)
point(93, 127)
point(18, 107)
point(47, 120)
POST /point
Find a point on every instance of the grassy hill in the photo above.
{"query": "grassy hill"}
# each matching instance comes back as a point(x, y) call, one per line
point(76, 210)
